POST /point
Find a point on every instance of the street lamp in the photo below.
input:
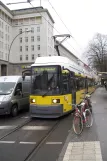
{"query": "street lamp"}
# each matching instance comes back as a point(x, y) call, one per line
point(12, 43)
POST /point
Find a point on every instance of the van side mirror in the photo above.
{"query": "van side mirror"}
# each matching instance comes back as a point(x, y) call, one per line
point(18, 92)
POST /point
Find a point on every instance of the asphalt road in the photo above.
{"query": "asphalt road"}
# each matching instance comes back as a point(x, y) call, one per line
point(8, 123)
point(19, 144)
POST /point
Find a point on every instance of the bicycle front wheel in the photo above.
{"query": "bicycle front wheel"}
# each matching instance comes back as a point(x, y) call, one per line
point(77, 124)
point(89, 118)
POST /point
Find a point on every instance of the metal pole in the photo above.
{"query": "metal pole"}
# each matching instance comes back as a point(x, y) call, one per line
point(11, 46)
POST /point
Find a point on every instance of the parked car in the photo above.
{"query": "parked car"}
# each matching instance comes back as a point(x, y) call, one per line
point(14, 94)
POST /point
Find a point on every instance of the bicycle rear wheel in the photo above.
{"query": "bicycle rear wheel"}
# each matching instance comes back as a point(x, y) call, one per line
point(77, 124)
point(89, 118)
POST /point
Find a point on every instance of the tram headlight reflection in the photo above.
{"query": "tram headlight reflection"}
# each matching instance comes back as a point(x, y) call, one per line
point(33, 100)
point(56, 101)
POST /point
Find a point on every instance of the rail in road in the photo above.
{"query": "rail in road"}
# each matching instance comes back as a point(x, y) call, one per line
point(30, 126)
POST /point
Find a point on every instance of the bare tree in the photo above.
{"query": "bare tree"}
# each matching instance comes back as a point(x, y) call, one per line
point(97, 52)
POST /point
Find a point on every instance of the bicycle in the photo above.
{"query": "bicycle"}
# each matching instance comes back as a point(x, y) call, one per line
point(87, 98)
point(81, 116)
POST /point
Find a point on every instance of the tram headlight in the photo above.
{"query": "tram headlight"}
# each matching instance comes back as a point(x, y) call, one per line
point(56, 101)
point(33, 100)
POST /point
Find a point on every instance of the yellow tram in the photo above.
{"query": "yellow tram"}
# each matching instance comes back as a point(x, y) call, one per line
point(56, 84)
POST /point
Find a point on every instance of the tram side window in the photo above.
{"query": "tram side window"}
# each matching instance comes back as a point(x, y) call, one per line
point(72, 85)
point(90, 82)
point(77, 84)
point(81, 83)
point(66, 83)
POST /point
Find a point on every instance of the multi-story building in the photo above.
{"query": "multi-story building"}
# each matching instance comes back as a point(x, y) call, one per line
point(22, 47)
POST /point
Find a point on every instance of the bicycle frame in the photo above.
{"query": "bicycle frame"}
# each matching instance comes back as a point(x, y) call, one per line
point(81, 113)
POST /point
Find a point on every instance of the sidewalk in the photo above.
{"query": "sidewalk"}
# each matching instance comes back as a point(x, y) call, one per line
point(91, 145)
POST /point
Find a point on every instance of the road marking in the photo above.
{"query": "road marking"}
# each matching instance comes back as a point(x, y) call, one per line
point(83, 151)
point(24, 117)
point(54, 143)
point(35, 128)
point(23, 142)
point(7, 127)
point(7, 142)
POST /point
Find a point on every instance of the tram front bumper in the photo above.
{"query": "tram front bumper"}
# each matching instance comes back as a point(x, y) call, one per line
point(46, 111)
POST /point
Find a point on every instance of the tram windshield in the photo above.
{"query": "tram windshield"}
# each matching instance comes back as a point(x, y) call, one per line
point(45, 80)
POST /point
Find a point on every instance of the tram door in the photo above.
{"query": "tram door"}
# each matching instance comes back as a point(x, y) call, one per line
point(73, 88)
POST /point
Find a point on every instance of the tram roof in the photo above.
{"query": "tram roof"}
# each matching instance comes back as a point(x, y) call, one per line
point(58, 60)
point(63, 62)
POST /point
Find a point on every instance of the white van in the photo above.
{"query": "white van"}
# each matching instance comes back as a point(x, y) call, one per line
point(14, 94)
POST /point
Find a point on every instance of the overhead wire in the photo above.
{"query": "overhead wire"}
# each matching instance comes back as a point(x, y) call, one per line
point(50, 23)
point(60, 18)
point(63, 23)
point(45, 18)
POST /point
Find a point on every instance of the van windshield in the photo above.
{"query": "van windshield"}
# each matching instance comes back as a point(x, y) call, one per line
point(6, 87)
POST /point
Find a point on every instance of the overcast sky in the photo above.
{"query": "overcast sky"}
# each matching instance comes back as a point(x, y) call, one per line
point(83, 18)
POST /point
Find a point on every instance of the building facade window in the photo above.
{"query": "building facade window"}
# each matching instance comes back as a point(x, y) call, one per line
point(38, 28)
point(26, 29)
point(26, 20)
point(20, 31)
point(26, 57)
point(20, 57)
point(8, 28)
point(38, 19)
point(26, 48)
point(2, 45)
point(38, 47)
point(38, 55)
point(2, 35)
point(38, 38)
point(32, 47)
point(20, 48)
point(32, 20)
point(2, 24)
point(8, 38)
point(32, 56)
point(6, 46)
point(6, 56)
point(32, 30)
point(20, 39)
point(32, 38)
point(26, 39)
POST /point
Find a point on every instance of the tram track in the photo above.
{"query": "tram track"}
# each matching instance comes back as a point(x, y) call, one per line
point(41, 142)
point(16, 129)
point(28, 138)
